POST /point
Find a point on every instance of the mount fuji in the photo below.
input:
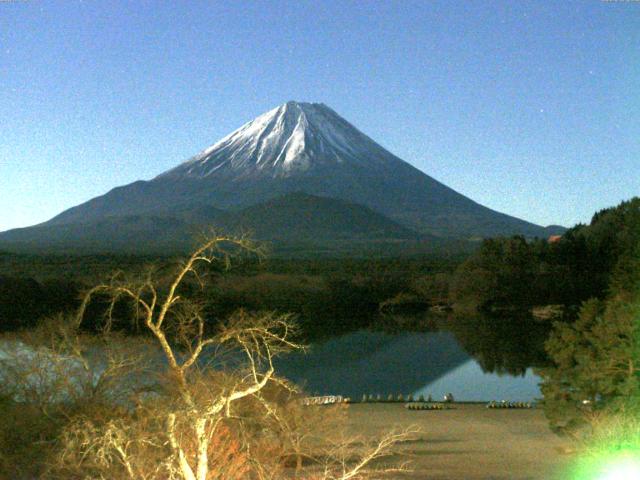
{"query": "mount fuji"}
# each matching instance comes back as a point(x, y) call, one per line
point(310, 172)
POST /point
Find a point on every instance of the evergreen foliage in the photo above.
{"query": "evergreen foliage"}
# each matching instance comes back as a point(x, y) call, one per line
point(514, 271)
point(596, 359)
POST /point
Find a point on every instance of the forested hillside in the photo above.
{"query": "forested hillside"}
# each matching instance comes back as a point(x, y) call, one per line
point(575, 267)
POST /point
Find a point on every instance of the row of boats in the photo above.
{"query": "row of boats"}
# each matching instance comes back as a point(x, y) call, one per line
point(409, 404)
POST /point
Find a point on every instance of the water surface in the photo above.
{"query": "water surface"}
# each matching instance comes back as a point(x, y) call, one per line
point(427, 363)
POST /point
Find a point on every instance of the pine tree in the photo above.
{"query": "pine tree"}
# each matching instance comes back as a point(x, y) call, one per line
point(597, 358)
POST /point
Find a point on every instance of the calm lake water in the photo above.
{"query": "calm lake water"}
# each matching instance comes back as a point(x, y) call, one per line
point(430, 363)
point(407, 363)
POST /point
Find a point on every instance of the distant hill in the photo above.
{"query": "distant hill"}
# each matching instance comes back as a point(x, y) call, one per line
point(303, 217)
point(293, 219)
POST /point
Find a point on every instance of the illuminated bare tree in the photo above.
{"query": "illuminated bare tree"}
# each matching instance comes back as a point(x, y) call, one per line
point(178, 325)
point(121, 417)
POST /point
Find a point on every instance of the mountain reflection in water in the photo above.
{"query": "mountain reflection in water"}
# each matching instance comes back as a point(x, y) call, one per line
point(371, 362)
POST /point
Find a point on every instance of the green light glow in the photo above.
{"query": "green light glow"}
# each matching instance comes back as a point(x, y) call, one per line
point(616, 466)
point(611, 451)
point(621, 469)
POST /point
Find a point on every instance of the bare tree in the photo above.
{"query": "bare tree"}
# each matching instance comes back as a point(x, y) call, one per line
point(218, 412)
point(178, 325)
point(52, 376)
point(56, 366)
point(352, 458)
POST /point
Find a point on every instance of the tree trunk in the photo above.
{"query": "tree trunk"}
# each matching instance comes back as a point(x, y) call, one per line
point(203, 447)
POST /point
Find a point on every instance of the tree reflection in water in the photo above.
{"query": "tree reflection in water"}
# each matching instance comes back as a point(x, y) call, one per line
point(502, 344)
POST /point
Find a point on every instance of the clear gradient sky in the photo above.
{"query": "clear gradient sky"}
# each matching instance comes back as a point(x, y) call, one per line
point(531, 108)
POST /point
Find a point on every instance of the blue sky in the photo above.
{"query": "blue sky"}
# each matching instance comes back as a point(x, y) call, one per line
point(530, 108)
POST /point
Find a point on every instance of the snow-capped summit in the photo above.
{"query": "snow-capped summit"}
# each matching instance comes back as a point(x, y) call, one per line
point(294, 137)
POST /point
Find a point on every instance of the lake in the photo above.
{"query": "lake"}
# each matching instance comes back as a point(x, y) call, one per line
point(408, 363)
point(416, 363)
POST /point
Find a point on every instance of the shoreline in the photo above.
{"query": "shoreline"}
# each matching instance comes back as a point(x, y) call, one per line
point(470, 442)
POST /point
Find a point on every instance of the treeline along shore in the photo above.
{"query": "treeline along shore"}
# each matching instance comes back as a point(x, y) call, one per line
point(326, 295)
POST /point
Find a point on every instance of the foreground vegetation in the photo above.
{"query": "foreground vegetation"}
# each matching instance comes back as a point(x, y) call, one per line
point(592, 386)
point(152, 406)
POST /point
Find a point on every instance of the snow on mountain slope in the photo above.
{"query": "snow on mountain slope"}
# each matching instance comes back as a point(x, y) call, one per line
point(292, 138)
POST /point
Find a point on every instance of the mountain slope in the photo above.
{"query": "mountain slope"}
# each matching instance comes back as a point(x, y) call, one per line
point(303, 217)
point(290, 219)
point(127, 233)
